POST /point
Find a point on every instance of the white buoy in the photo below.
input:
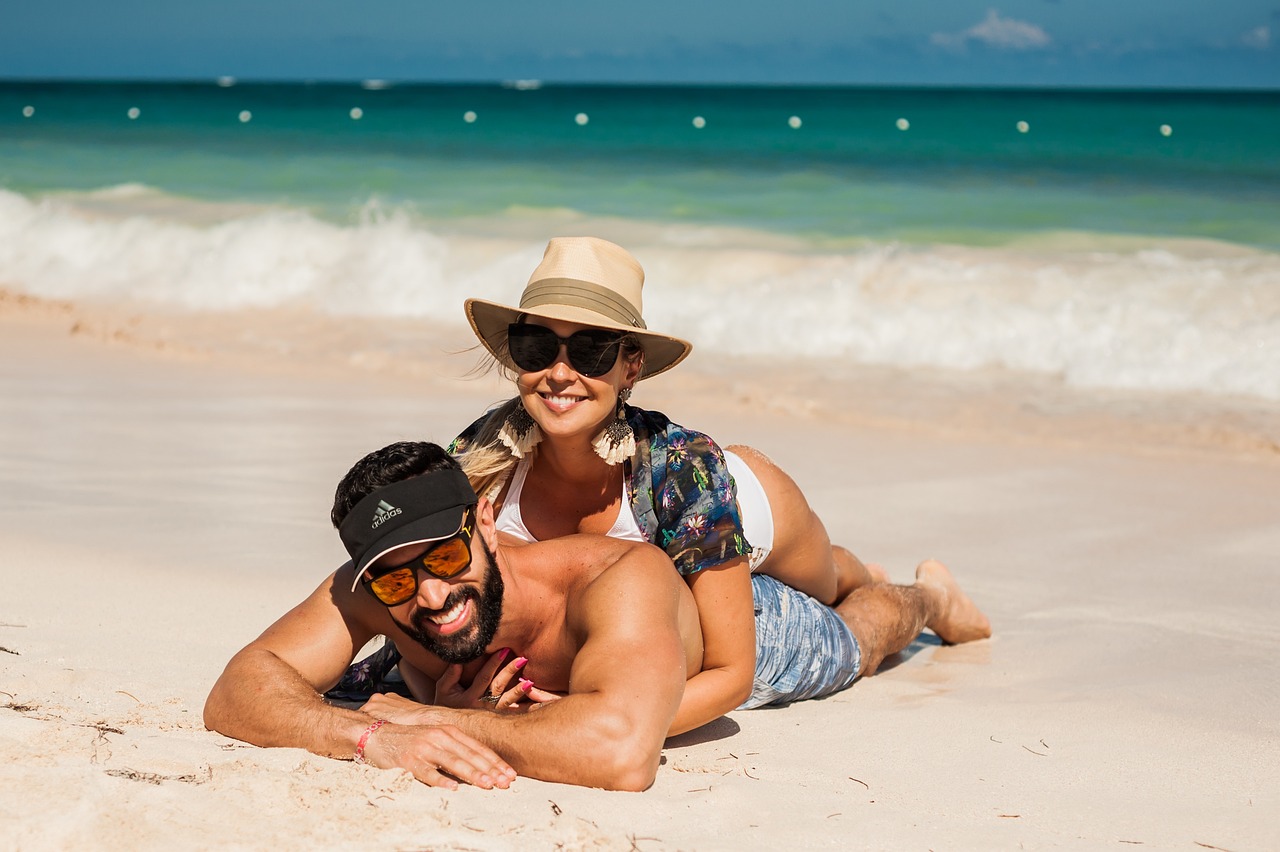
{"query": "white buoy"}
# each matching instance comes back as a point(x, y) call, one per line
point(1166, 130)
point(582, 118)
point(226, 82)
point(1023, 127)
point(28, 111)
point(902, 124)
point(469, 116)
point(245, 116)
point(133, 113)
point(356, 113)
point(699, 122)
point(794, 122)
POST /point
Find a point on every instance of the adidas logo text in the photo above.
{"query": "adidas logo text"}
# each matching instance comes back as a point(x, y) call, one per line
point(384, 513)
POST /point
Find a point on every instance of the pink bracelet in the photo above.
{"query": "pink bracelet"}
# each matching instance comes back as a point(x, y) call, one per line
point(364, 740)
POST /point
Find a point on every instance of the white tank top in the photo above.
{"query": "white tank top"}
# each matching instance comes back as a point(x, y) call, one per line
point(510, 522)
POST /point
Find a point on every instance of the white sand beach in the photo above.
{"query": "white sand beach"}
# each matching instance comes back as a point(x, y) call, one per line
point(166, 487)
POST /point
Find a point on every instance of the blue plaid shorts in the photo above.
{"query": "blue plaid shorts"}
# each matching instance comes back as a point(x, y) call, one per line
point(803, 648)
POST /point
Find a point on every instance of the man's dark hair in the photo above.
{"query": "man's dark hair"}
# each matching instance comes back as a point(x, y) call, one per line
point(393, 463)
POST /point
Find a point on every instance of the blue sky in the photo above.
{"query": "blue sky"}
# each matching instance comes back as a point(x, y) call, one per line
point(1180, 43)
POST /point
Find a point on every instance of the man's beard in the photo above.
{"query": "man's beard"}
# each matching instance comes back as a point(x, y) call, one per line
point(486, 614)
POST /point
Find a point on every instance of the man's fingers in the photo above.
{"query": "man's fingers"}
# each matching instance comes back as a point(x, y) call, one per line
point(394, 708)
point(436, 778)
point(439, 756)
point(453, 752)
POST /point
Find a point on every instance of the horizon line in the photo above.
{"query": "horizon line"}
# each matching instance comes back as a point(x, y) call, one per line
point(532, 84)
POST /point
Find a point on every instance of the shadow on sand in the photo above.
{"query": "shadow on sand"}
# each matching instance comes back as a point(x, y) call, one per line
point(718, 729)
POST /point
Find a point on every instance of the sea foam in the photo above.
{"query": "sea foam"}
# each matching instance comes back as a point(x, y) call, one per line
point(1177, 315)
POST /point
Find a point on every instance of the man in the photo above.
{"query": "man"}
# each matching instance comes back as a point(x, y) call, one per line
point(604, 622)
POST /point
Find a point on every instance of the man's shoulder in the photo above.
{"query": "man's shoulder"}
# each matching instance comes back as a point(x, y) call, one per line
point(602, 553)
point(630, 568)
point(613, 582)
point(584, 560)
point(354, 604)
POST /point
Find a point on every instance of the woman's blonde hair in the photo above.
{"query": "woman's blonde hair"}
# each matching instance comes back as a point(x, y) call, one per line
point(487, 461)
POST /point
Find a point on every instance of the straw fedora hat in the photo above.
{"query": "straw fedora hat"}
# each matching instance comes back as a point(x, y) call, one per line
point(585, 280)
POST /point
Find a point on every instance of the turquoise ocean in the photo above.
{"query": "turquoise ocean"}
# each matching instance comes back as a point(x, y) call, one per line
point(1115, 239)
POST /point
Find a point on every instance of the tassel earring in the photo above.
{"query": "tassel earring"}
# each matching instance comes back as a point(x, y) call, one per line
point(617, 442)
point(519, 432)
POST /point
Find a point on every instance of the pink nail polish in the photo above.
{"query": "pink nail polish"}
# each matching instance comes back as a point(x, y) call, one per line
point(526, 684)
point(520, 661)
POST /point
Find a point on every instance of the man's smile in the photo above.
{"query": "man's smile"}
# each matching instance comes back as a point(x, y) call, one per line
point(462, 628)
point(454, 618)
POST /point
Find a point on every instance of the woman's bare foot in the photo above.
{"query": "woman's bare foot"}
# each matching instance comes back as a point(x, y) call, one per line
point(958, 618)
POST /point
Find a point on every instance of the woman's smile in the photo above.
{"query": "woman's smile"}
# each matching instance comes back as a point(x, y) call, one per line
point(560, 402)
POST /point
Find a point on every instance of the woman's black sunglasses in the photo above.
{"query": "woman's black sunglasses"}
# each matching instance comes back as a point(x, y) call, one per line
point(592, 351)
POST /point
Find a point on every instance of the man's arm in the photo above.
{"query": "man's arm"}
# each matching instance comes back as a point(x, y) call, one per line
point(269, 695)
point(624, 686)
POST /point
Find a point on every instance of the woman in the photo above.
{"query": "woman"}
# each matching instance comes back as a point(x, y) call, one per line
point(568, 455)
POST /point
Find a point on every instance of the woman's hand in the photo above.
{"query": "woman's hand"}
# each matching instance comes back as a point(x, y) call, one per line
point(531, 698)
point(487, 690)
point(492, 687)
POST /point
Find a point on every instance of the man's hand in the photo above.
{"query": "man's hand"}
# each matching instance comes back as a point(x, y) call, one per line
point(400, 710)
point(437, 755)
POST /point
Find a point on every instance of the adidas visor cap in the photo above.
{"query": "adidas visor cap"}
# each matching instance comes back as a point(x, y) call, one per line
point(422, 509)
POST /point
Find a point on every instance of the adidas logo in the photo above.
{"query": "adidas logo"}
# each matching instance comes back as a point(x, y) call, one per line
point(384, 513)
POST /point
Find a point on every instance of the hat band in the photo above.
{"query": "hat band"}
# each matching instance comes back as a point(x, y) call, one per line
point(581, 294)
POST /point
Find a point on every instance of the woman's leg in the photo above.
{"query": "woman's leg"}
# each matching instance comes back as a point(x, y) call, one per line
point(802, 555)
